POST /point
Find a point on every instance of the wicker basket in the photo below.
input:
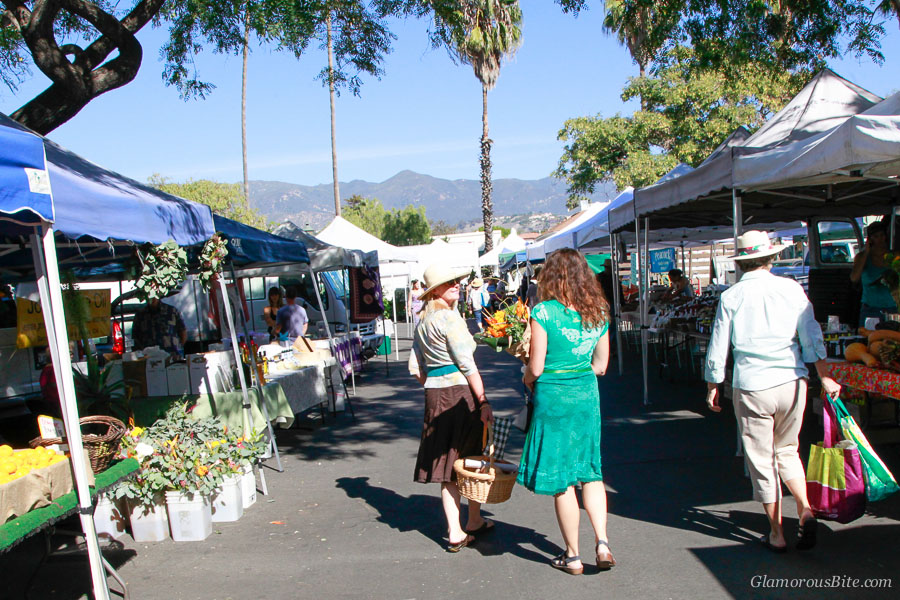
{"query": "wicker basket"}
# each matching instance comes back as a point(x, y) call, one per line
point(491, 487)
point(100, 437)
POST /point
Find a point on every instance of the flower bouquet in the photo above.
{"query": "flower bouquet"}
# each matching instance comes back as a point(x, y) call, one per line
point(509, 329)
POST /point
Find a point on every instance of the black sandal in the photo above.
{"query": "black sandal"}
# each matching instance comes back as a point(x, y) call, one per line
point(562, 563)
point(806, 534)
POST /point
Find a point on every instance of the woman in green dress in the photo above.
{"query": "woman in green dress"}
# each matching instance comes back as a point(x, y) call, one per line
point(569, 350)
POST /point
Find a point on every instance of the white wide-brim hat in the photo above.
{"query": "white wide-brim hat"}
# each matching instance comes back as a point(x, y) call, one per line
point(755, 244)
point(438, 274)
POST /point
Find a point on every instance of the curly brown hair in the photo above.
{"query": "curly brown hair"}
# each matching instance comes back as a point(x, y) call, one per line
point(567, 278)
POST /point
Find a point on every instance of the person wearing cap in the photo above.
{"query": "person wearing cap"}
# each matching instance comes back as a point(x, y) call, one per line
point(769, 322)
point(456, 408)
point(478, 299)
point(869, 268)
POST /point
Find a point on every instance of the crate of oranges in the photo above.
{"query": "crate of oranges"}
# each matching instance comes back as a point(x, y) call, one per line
point(30, 479)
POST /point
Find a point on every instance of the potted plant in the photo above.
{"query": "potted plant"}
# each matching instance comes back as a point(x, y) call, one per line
point(186, 463)
point(143, 492)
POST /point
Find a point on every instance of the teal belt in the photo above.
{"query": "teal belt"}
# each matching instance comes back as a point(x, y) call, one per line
point(584, 370)
point(443, 370)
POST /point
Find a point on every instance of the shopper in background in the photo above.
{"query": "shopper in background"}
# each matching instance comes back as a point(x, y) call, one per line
point(158, 324)
point(478, 300)
point(769, 323)
point(569, 350)
point(291, 319)
point(270, 312)
point(456, 408)
point(414, 303)
point(869, 268)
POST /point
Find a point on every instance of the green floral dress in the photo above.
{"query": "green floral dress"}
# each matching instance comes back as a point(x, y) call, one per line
point(562, 446)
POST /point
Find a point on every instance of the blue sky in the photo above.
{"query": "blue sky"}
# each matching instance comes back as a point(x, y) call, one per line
point(424, 114)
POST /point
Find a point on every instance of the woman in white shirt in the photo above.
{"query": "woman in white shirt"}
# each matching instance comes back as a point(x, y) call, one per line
point(770, 324)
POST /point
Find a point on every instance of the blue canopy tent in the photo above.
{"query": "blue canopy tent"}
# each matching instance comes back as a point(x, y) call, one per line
point(67, 194)
point(249, 247)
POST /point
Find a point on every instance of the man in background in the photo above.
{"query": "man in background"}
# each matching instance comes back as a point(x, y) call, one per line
point(159, 324)
point(291, 319)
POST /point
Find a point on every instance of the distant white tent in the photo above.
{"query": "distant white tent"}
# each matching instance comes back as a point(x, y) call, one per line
point(456, 255)
point(511, 243)
point(343, 233)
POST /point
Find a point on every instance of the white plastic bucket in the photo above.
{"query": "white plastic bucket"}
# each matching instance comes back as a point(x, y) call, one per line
point(228, 501)
point(108, 517)
point(248, 486)
point(190, 516)
point(149, 523)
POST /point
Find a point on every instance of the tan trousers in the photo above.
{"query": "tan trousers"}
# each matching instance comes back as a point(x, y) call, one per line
point(770, 423)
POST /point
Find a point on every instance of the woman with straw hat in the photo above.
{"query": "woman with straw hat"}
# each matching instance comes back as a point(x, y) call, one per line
point(456, 409)
point(769, 322)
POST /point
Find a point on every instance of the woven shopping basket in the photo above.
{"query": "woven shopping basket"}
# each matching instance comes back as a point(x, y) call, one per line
point(100, 437)
point(487, 485)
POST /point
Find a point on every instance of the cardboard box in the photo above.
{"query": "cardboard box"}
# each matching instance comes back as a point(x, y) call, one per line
point(211, 372)
point(157, 380)
point(178, 379)
point(134, 373)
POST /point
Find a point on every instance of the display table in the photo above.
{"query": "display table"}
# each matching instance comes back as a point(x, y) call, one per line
point(866, 379)
point(14, 531)
point(303, 388)
point(225, 405)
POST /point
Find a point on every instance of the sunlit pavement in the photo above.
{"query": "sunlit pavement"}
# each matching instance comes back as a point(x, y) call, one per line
point(345, 519)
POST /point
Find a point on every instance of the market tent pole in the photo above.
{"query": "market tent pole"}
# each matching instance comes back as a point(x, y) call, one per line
point(346, 275)
point(737, 210)
point(641, 297)
point(49, 288)
point(617, 302)
point(394, 325)
point(259, 387)
point(237, 356)
point(645, 265)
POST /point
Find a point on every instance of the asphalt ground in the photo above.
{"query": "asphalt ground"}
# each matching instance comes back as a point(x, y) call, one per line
point(346, 520)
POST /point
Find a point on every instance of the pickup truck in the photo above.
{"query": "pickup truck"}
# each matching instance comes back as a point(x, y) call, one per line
point(831, 253)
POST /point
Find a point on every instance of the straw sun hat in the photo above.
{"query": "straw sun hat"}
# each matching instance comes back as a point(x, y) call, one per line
point(755, 244)
point(477, 282)
point(439, 273)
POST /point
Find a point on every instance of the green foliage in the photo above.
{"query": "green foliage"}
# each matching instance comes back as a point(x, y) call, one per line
point(480, 33)
point(212, 258)
point(504, 231)
point(441, 228)
point(165, 266)
point(402, 227)
point(360, 39)
point(225, 199)
point(366, 213)
point(688, 110)
point(407, 227)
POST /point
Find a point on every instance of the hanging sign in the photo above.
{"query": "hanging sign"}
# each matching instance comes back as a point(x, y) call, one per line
point(662, 261)
point(30, 328)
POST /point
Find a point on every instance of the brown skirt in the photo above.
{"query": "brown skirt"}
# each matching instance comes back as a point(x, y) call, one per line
point(452, 429)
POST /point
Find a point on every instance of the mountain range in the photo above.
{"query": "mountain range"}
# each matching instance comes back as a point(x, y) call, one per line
point(456, 202)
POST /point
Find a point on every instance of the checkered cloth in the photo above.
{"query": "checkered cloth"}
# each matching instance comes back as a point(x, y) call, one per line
point(502, 426)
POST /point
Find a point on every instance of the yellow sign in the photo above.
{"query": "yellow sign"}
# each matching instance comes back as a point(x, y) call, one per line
point(30, 320)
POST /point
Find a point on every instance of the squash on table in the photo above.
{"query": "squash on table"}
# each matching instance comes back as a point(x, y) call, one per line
point(859, 353)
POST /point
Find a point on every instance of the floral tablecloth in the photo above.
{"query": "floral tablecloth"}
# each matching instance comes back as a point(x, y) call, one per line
point(867, 379)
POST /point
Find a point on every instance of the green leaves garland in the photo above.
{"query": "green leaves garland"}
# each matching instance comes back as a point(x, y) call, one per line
point(212, 259)
point(165, 266)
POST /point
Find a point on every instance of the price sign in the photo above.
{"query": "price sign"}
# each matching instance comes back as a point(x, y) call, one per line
point(30, 328)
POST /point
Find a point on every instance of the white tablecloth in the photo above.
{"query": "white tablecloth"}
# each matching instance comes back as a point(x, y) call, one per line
point(306, 387)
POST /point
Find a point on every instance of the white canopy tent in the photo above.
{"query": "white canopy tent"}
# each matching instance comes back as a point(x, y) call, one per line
point(456, 255)
point(324, 256)
point(511, 243)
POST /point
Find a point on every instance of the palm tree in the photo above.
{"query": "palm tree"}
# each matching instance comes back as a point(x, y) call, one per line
point(246, 52)
point(331, 94)
point(482, 33)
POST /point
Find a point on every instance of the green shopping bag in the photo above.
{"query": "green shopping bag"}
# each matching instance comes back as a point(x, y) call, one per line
point(880, 483)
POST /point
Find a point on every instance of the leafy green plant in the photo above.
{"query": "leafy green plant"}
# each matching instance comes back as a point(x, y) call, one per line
point(164, 267)
point(212, 258)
